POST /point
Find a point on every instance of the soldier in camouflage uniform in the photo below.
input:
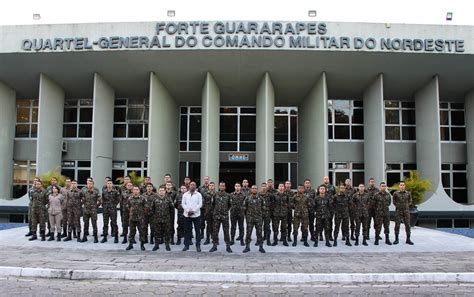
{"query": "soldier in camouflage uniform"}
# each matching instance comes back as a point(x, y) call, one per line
point(371, 190)
point(360, 202)
point(138, 210)
point(171, 195)
point(124, 210)
point(179, 207)
point(30, 192)
point(207, 215)
point(38, 206)
point(64, 192)
point(300, 203)
point(331, 191)
point(352, 215)
point(237, 214)
point(289, 214)
point(254, 206)
point(321, 210)
point(146, 181)
point(402, 201)
point(268, 197)
point(221, 206)
point(382, 216)
point(149, 196)
point(91, 200)
point(74, 208)
point(341, 204)
point(161, 208)
point(311, 194)
point(279, 206)
point(203, 190)
point(110, 200)
point(245, 187)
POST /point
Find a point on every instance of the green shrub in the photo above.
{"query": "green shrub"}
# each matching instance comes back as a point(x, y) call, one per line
point(415, 186)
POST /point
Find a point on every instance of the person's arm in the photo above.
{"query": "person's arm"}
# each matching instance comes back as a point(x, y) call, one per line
point(185, 203)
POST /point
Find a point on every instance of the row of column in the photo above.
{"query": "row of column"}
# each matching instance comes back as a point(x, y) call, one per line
point(163, 138)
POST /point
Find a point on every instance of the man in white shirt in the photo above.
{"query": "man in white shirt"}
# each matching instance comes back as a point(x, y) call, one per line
point(192, 203)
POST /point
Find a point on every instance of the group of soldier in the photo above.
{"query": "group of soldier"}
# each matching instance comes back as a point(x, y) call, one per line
point(152, 211)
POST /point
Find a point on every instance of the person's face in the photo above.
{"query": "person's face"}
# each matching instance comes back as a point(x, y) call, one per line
point(90, 184)
point(245, 183)
point(372, 183)
point(147, 180)
point(383, 187)
point(68, 183)
point(167, 178)
point(254, 189)
point(322, 190)
point(402, 187)
point(361, 188)
point(187, 181)
point(281, 188)
point(161, 192)
point(183, 189)
point(342, 189)
point(109, 185)
point(129, 186)
point(192, 186)
point(54, 181)
point(326, 179)
point(348, 183)
point(222, 187)
point(288, 185)
point(38, 184)
point(237, 188)
point(212, 187)
point(206, 180)
point(126, 180)
point(169, 186)
point(55, 190)
point(74, 184)
point(307, 184)
point(264, 187)
point(270, 184)
point(300, 189)
point(136, 191)
point(149, 188)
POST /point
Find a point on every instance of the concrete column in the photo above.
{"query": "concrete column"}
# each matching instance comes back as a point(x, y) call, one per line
point(313, 133)
point(265, 130)
point(163, 132)
point(102, 129)
point(211, 101)
point(469, 118)
point(7, 138)
point(374, 131)
point(428, 144)
point(50, 125)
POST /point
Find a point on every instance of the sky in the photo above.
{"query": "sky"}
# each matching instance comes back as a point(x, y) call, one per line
point(20, 12)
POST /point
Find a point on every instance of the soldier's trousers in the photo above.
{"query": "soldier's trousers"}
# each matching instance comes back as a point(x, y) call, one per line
point(218, 221)
point(134, 225)
point(311, 223)
point(209, 221)
point(352, 219)
point(92, 216)
point(29, 216)
point(38, 217)
point(234, 220)
point(110, 214)
point(180, 227)
point(171, 223)
point(402, 215)
point(382, 218)
point(64, 220)
point(251, 223)
point(322, 225)
point(74, 217)
point(162, 230)
point(148, 221)
point(303, 221)
point(362, 220)
point(125, 217)
point(280, 222)
point(289, 221)
point(341, 222)
point(266, 226)
point(371, 219)
point(329, 223)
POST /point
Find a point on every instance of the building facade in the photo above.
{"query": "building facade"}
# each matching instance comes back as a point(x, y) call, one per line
point(234, 100)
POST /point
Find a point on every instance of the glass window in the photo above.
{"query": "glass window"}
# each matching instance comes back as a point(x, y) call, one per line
point(454, 178)
point(190, 129)
point(23, 176)
point(77, 118)
point(286, 129)
point(131, 118)
point(452, 123)
point(26, 118)
point(345, 118)
point(400, 120)
point(228, 128)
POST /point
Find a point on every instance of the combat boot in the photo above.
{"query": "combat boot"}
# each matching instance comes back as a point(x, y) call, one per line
point(74, 233)
point(58, 237)
point(30, 233)
point(364, 242)
point(242, 243)
point(104, 239)
point(49, 233)
point(288, 238)
point(376, 240)
point(129, 247)
point(213, 249)
point(64, 233)
point(321, 237)
point(43, 237)
point(172, 240)
point(232, 241)
point(328, 244)
point(208, 241)
point(151, 240)
point(396, 239)
point(315, 243)
point(34, 237)
point(116, 239)
point(305, 242)
point(167, 247)
point(387, 240)
point(142, 245)
point(156, 247)
point(357, 241)
point(78, 237)
point(84, 238)
point(261, 250)
point(124, 239)
point(285, 243)
point(146, 239)
point(352, 235)
point(228, 249)
point(69, 237)
point(295, 240)
point(178, 242)
point(51, 237)
point(334, 244)
point(268, 239)
point(247, 248)
point(275, 240)
point(96, 239)
point(348, 243)
point(408, 240)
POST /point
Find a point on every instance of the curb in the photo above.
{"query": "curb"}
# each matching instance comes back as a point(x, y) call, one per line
point(428, 277)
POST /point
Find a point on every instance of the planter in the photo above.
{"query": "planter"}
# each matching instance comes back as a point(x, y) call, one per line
point(413, 216)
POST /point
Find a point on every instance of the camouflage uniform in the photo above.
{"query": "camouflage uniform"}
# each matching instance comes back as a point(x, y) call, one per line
point(38, 207)
point(267, 197)
point(279, 206)
point(321, 209)
point(371, 191)
point(352, 215)
point(360, 202)
point(207, 218)
point(221, 206)
point(110, 200)
point(91, 201)
point(172, 196)
point(179, 207)
point(64, 219)
point(311, 194)
point(341, 204)
point(203, 190)
point(331, 190)
point(237, 215)
point(300, 203)
point(137, 207)
point(254, 206)
point(125, 211)
point(74, 208)
point(148, 219)
point(30, 193)
point(402, 202)
point(289, 214)
point(161, 208)
point(382, 215)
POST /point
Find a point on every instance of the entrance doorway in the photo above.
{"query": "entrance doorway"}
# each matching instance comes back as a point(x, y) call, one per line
point(232, 172)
